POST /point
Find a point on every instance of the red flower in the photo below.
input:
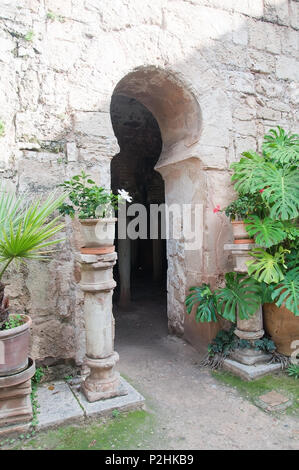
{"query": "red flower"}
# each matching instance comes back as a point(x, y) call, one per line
point(216, 209)
point(261, 190)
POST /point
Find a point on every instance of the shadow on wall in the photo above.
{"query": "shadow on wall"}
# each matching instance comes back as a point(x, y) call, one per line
point(215, 83)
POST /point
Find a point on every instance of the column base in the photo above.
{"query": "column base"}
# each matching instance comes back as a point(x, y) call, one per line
point(249, 372)
point(103, 381)
point(249, 335)
point(249, 356)
point(104, 391)
point(15, 402)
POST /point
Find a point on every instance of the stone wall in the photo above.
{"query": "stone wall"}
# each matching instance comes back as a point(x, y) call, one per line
point(60, 62)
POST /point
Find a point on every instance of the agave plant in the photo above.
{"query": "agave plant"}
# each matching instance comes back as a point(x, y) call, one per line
point(26, 232)
point(293, 371)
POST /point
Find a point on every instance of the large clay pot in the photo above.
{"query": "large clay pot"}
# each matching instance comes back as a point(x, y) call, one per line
point(98, 232)
point(283, 327)
point(14, 348)
point(239, 232)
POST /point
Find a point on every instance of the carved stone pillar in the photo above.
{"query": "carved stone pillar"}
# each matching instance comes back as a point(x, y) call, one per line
point(248, 363)
point(252, 328)
point(124, 268)
point(97, 284)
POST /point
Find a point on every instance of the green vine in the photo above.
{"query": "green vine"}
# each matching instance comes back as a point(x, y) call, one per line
point(36, 379)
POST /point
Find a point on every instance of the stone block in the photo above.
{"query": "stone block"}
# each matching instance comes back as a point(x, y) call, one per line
point(259, 34)
point(212, 157)
point(261, 62)
point(273, 401)
point(247, 128)
point(71, 151)
point(287, 68)
point(62, 404)
point(268, 114)
point(240, 30)
point(247, 372)
point(57, 405)
point(289, 42)
point(277, 11)
point(269, 87)
point(241, 82)
point(128, 401)
point(294, 14)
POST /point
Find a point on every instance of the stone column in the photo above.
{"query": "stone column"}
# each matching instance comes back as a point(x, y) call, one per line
point(97, 284)
point(249, 330)
point(124, 269)
point(252, 328)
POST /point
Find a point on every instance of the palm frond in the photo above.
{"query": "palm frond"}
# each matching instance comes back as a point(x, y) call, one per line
point(29, 234)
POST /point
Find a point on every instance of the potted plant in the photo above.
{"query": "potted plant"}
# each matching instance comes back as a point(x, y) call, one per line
point(274, 261)
point(237, 211)
point(95, 207)
point(25, 233)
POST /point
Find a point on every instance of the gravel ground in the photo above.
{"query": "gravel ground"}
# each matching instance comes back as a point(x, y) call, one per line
point(193, 410)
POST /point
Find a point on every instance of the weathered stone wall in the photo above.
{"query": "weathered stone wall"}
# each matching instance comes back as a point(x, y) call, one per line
point(59, 64)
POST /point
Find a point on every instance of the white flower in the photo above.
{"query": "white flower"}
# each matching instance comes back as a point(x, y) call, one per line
point(125, 195)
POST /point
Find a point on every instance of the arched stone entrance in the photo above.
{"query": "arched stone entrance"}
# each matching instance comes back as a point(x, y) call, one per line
point(178, 114)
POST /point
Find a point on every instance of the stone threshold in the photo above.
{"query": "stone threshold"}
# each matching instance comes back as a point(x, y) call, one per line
point(250, 372)
point(61, 403)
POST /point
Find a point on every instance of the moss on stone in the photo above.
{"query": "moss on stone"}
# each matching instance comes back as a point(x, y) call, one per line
point(281, 383)
point(131, 430)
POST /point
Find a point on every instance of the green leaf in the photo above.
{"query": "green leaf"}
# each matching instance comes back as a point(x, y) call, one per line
point(281, 190)
point(267, 232)
point(241, 294)
point(266, 292)
point(27, 231)
point(245, 173)
point(287, 293)
point(265, 267)
point(281, 147)
point(292, 258)
point(205, 300)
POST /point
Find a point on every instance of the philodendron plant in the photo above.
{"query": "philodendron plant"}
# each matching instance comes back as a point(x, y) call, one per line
point(268, 188)
point(26, 232)
point(274, 174)
point(241, 294)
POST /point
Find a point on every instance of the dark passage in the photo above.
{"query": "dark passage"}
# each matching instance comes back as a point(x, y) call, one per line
point(141, 269)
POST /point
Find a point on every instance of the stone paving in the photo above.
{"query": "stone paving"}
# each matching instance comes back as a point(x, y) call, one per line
point(61, 403)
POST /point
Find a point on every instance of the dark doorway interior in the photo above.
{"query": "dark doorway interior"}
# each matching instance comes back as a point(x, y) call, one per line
point(140, 142)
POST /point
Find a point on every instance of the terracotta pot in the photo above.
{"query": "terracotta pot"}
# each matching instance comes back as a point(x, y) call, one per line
point(239, 230)
point(100, 250)
point(283, 327)
point(98, 232)
point(14, 348)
